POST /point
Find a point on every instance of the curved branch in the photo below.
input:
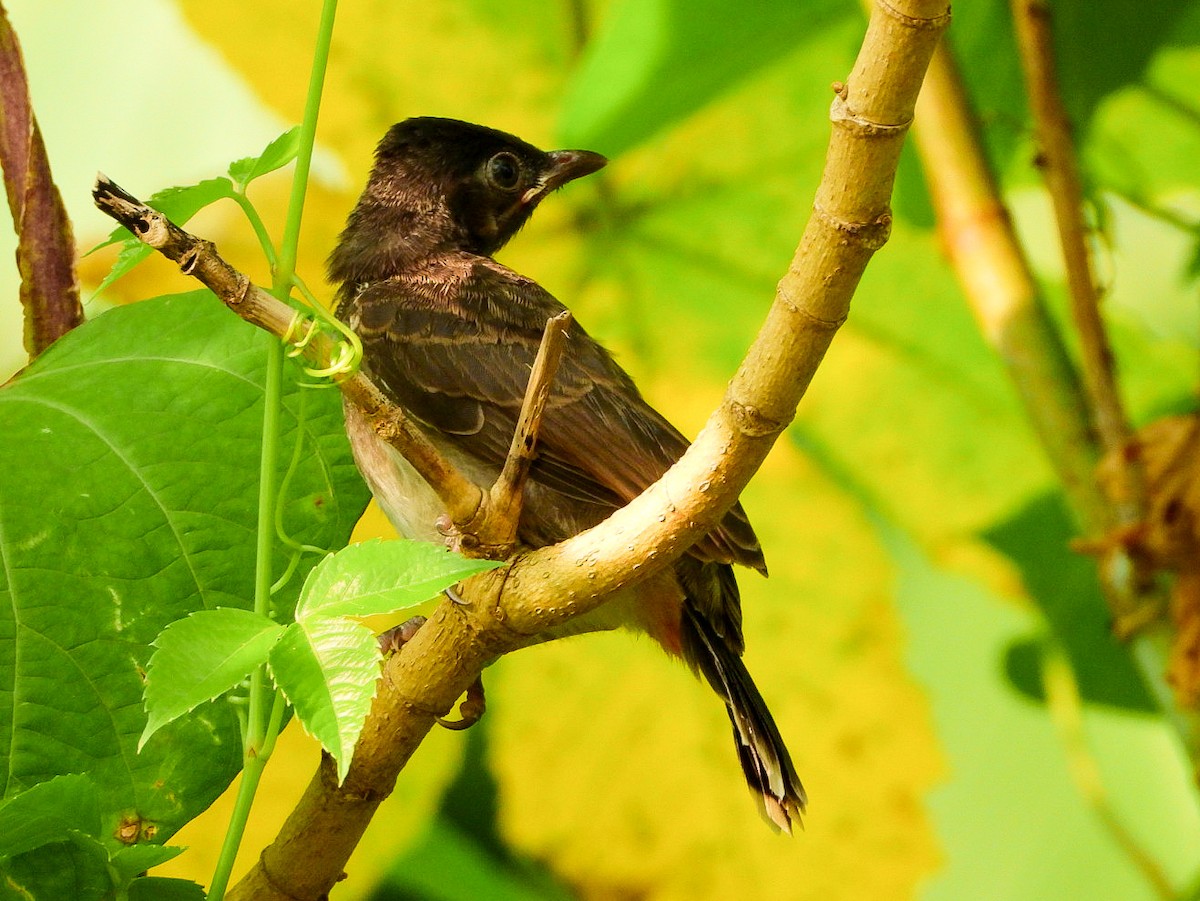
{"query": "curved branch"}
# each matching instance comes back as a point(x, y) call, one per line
point(851, 219)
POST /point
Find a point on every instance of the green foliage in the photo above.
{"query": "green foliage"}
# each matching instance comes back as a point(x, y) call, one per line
point(377, 577)
point(51, 847)
point(326, 666)
point(327, 669)
point(276, 155)
point(910, 519)
point(656, 61)
point(48, 812)
point(1065, 587)
point(137, 439)
point(202, 656)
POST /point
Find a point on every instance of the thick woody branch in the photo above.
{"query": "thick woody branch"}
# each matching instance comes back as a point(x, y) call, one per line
point(851, 219)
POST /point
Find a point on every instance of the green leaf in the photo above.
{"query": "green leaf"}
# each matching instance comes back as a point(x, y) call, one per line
point(49, 812)
point(162, 888)
point(77, 869)
point(127, 862)
point(132, 447)
point(327, 670)
point(381, 577)
point(201, 657)
point(277, 154)
point(447, 848)
point(1064, 585)
point(132, 252)
point(655, 61)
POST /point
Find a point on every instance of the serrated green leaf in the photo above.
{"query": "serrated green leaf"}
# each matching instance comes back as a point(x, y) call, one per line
point(129, 861)
point(327, 670)
point(132, 252)
point(48, 813)
point(201, 657)
point(382, 577)
point(277, 154)
point(133, 445)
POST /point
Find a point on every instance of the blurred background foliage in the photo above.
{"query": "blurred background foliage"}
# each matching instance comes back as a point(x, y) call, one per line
point(913, 528)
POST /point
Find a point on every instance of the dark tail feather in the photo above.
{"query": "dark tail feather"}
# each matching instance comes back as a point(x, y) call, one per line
point(765, 759)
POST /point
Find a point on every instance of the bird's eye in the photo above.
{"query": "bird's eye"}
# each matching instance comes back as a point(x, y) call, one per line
point(503, 171)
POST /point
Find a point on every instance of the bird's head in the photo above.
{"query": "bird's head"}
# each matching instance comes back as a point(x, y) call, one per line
point(441, 184)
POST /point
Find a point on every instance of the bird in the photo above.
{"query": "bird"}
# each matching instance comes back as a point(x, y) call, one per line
point(450, 334)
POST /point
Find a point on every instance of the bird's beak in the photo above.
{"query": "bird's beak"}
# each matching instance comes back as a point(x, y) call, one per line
point(565, 166)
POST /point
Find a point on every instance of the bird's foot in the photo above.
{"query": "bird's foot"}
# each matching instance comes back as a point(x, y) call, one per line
point(470, 710)
point(473, 705)
point(398, 636)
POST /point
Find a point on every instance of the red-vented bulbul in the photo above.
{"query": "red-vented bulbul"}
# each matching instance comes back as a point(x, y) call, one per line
point(450, 335)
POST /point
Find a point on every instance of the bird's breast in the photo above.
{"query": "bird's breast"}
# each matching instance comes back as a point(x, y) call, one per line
point(409, 503)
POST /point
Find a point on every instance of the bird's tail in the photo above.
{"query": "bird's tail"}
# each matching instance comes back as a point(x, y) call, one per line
point(765, 760)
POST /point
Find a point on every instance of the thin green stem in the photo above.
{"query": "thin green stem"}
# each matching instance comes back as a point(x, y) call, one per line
point(260, 228)
point(252, 771)
point(306, 292)
point(278, 708)
point(268, 494)
point(285, 267)
point(262, 729)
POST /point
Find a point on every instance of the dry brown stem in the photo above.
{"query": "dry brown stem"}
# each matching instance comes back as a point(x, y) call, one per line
point(45, 244)
point(1059, 164)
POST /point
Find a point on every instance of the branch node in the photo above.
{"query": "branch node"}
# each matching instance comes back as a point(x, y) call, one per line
point(927, 23)
point(750, 421)
point(842, 116)
point(870, 235)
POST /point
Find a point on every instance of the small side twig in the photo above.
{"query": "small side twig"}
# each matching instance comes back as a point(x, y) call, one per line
point(507, 495)
point(1058, 162)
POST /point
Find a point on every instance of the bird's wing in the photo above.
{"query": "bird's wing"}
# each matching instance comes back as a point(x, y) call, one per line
point(455, 346)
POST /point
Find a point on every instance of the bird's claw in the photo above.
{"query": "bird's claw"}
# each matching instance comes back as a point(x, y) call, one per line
point(470, 710)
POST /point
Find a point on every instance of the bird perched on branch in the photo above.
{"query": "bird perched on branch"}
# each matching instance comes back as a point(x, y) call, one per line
point(451, 335)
